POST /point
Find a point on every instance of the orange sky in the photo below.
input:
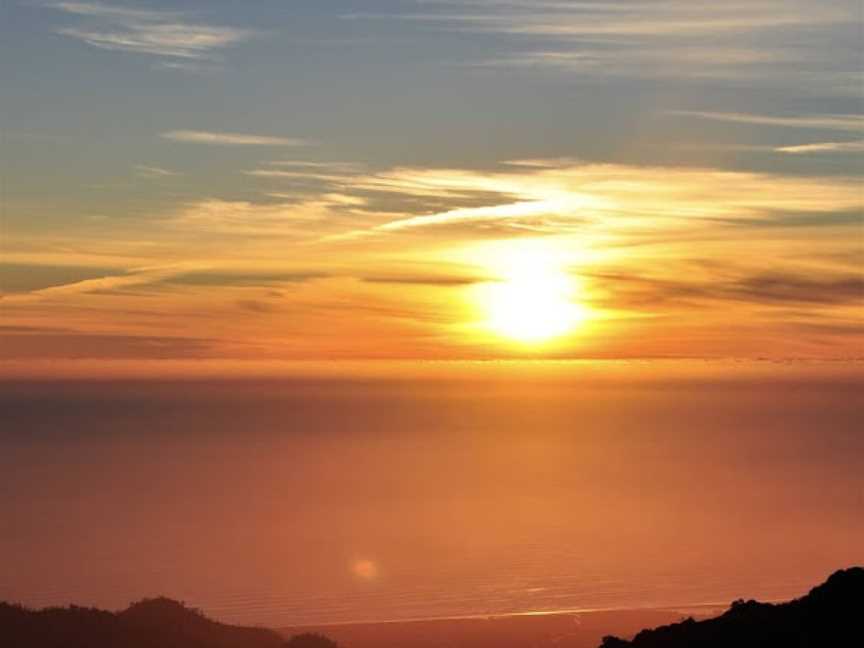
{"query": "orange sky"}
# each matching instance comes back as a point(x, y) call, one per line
point(656, 262)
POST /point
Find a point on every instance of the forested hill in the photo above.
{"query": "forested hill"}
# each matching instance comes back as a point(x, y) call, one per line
point(831, 614)
point(155, 622)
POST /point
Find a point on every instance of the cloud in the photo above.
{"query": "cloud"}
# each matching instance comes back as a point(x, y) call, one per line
point(771, 288)
point(27, 277)
point(37, 282)
point(686, 61)
point(144, 171)
point(101, 10)
point(302, 218)
point(689, 17)
point(782, 288)
point(31, 329)
point(189, 66)
point(531, 197)
point(734, 41)
point(295, 175)
point(824, 147)
point(426, 280)
point(217, 277)
point(296, 217)
point(300, 170)
point(132, 278)
point(141, 31)
point(255, 306)
point(518, 211)
point(331, 167)
point(564, 196)
point(851, 123)
point(74, 345)
point(231, 139)
point(791, 218)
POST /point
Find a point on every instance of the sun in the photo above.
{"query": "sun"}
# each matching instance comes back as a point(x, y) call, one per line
point(532, 308)
point(535, 298)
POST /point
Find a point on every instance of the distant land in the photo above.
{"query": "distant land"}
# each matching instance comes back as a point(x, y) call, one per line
point(831, 614)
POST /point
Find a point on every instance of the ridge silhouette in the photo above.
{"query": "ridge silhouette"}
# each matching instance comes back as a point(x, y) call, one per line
point(150, 623)
point(830, 615)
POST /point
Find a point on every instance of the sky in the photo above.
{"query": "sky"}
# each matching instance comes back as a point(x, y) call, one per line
point(220, 183)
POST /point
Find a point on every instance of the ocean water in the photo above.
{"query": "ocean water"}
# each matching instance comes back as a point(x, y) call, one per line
point(319, 499)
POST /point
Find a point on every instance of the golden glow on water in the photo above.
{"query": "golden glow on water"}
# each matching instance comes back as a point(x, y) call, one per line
point(535, 299)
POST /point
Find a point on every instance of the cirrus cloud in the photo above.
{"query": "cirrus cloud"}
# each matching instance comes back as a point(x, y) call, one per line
point(231, 139)
point(157, 33)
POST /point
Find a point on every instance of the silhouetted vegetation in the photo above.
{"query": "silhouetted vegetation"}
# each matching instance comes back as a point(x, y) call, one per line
point(832, 614)
point(152, 623)
point(311, 640)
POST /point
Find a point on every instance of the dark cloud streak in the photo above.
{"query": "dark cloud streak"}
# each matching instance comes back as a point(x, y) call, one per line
point(765, 288)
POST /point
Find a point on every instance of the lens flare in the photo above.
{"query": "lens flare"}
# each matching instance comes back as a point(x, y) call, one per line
point(365, 570)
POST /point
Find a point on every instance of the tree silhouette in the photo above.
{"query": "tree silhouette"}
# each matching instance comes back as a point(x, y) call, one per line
point(310, 640)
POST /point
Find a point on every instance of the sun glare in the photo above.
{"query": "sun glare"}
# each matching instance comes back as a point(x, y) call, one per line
point(535, 299)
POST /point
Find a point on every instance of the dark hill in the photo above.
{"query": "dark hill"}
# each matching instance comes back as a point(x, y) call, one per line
point(153, 623)
point(831, 615)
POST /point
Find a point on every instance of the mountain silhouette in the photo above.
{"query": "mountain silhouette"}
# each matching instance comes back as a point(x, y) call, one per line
point(151, 623)
point(830, 615)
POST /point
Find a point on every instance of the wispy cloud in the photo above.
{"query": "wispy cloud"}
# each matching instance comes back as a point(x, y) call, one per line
point(232, 139)
point(762, 288)
point(564, 196)
point(247, 278)
point(142, 31)
point(80, 345)
point(780, 287)
point(329, 167)
point(295, 175)
point(102, 10)
point(850, 123)
point(824, 147)
point(652, 38)
point(519, 211)
point(191, 66)
point(617, 17)
point(687, 61)
point(145, 171)
point(443, 281)
point(303, 218)
point(135, 277)
point(308, 172)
